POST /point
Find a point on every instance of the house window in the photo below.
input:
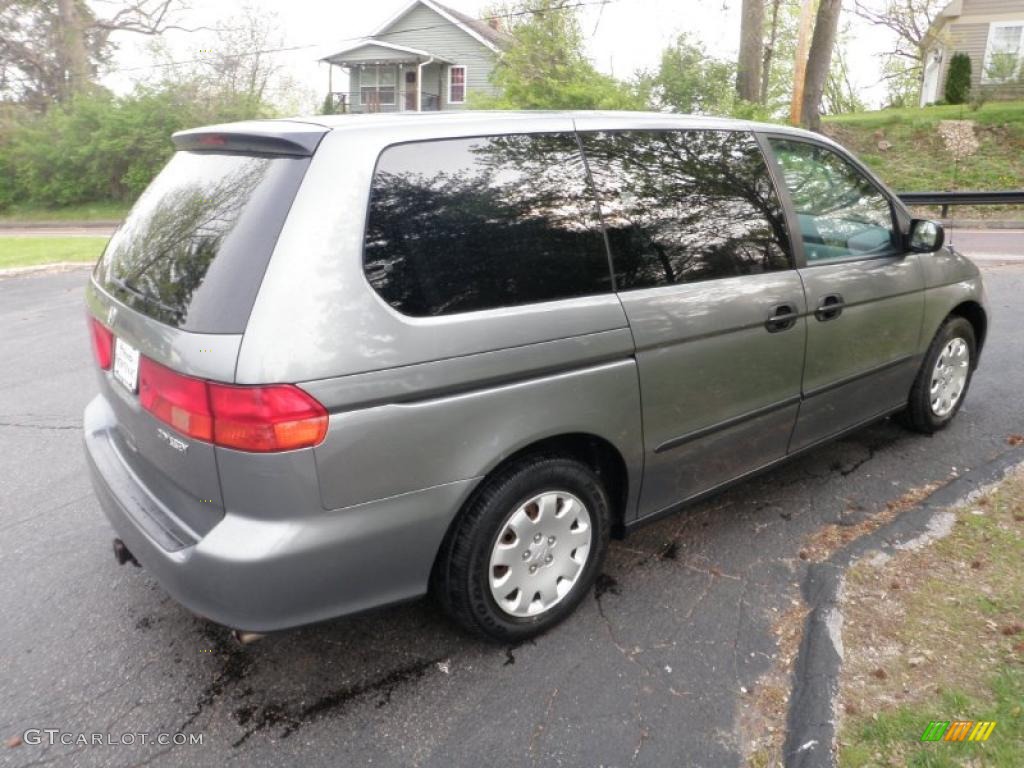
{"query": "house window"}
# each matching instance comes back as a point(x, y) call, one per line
point(1003, 52)
point(456, 85)
point(377, 85)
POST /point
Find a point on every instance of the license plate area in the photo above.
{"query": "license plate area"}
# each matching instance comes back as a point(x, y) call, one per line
point(126, 365)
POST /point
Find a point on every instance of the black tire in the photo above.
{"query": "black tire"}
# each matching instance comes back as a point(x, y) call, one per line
point(460, 579)
point(919, 414)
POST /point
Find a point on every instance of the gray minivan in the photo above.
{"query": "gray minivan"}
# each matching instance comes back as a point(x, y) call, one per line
point(345, 361)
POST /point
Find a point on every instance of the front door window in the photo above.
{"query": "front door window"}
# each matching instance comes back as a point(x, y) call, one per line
point(841, 212)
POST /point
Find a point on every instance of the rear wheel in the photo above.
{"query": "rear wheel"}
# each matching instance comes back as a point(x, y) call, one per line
point(526, 550)
point(945, 375)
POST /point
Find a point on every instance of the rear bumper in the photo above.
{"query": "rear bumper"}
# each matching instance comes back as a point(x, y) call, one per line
point(263, 575)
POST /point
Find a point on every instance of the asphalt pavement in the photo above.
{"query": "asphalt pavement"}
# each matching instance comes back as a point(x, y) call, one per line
point(659, 667)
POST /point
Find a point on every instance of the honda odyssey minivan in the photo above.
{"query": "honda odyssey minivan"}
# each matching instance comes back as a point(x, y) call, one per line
point(347, 361)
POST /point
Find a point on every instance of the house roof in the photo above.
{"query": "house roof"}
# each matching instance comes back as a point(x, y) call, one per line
point(411, 53)
point(479, 29)
point(481, 26)
point(950, 11)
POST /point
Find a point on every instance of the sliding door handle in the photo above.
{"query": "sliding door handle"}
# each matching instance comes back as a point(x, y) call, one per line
point(783, 318)
point(830, 307)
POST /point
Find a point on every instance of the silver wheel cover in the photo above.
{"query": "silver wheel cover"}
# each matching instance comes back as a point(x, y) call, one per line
point(949, 377)
point(539, 554)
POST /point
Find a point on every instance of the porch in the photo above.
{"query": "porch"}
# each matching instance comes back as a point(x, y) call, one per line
point(383, 77)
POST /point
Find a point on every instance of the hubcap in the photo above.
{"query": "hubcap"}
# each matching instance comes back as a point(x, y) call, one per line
point(949, 377)
point(539, 553)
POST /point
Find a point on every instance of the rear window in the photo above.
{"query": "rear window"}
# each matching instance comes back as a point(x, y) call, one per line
point(194, 248)
point(457, 225)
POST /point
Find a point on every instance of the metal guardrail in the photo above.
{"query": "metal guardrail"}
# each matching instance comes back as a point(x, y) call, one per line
point(946, 199)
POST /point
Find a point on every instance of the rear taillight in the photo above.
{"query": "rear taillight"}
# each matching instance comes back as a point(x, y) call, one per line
point(275, 418)
point(181, 401)
point(102, 343)
point(280, 417)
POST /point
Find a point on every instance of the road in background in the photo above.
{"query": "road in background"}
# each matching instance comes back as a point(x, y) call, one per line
point(988, 244)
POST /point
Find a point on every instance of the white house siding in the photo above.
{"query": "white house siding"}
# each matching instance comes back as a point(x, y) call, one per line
point(970, 39)
point(1013, 8)
point(969, 34)
point(426, 30)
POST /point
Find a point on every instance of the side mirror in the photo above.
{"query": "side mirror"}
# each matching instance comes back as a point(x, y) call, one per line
point(926, 236)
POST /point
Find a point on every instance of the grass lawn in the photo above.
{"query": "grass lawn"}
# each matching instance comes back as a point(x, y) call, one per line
point(104, 211)
point(904, 148)
point(990, 113)
point(937, 633)
point(29, 251)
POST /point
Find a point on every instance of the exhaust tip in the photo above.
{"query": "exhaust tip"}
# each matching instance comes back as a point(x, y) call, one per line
point(123, 555)
point(246, 638)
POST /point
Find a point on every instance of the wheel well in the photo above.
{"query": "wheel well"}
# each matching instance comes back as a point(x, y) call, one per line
point(597, 453)
point(975, 315)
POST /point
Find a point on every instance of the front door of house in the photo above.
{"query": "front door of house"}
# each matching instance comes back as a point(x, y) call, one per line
point(410, 90)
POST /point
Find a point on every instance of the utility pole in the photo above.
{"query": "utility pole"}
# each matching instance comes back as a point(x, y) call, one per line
point(803, 45)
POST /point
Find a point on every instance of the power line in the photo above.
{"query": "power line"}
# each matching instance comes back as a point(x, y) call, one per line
point(290, 48)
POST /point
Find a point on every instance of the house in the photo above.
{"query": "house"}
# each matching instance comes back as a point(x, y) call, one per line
point(991, 32)
point(427, 57)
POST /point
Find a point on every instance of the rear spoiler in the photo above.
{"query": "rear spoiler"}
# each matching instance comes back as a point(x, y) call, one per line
point(277, 137)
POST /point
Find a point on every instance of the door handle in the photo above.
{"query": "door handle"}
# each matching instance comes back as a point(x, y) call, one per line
point(783, 318)
point(830, 307)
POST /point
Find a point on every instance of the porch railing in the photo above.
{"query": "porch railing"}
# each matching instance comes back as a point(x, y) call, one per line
point(349, 101)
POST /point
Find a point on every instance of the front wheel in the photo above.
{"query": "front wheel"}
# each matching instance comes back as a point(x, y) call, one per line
point(526, 550)
point(941, 384)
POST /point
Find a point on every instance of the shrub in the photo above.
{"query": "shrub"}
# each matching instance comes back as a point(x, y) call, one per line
point(958, 78)
point(100, 147)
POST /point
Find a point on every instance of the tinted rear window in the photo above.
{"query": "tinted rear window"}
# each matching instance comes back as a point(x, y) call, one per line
point(466, 224)
point(193, 250)
point(684, 206)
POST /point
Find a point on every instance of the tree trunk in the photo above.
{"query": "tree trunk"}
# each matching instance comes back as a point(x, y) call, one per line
point(819, 60)
point(748, 66)
point(769, 51)
point(72, 53)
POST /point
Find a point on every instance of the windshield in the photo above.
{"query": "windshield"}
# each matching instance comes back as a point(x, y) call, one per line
point(194, 248)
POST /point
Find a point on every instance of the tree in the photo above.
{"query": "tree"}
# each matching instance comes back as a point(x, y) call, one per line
point(545, 66)
point(689, 80)
point(235, 72)
point(958, 79)
point(769, 51)
point(840, 96)
point(748, 64)
point(911, 21)
point(50, 51)
point(819, 61)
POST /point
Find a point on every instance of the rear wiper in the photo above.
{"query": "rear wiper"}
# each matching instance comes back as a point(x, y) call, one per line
point(123, 285)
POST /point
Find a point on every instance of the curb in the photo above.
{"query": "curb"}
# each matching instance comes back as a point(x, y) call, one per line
point(70, 223)
point(810, 721)
point(60, 266)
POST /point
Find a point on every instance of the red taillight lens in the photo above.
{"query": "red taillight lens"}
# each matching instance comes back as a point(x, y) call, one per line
point(275, 418)
point(181, 401)
point(102, 343)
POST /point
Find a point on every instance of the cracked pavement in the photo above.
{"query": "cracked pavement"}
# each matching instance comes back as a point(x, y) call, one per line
point(654, 669)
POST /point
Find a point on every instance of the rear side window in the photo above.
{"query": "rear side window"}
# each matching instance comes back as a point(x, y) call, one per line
point(194, 248)
point(458, 225)
point(685, 206)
